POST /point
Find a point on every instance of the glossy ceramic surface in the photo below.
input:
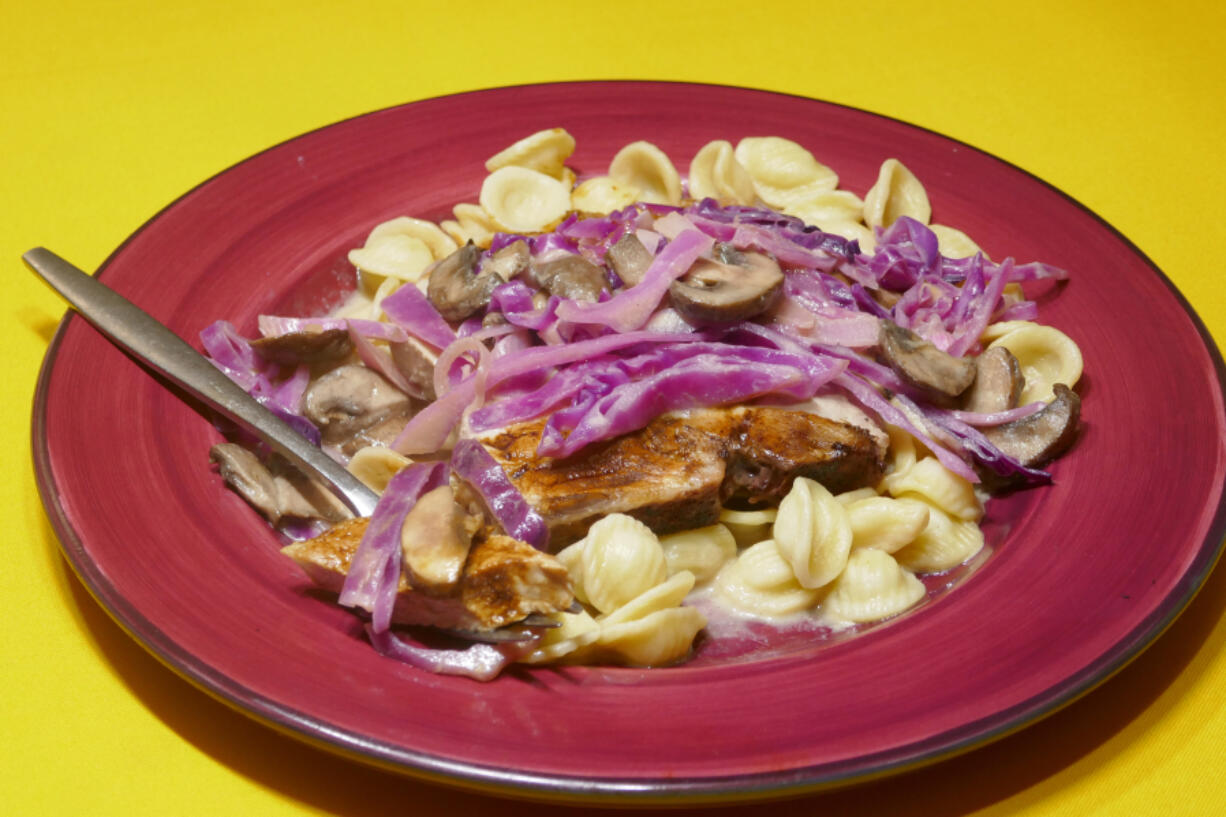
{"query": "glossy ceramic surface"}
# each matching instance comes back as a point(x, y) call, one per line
point(1080, 578)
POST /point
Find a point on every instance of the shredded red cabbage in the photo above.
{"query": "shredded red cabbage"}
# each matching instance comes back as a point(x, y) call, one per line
point(471, 462)
point(409, 308)
point(374, 571)
point(481, 662)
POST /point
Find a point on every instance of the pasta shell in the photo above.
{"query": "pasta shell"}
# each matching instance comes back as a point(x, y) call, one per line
point(853, 231)
point(945, 543)
point(577, 630)
point(874, 586)
point(954, 243)
point(644, 166)
point(761, 583)
point(828, 207)
point(813, 533)
point(571, 558)
point(715, 173)
point(663, 637)
point(621, 558)
point(524, 201)
point(848, 497)
point(783, 171)
point(478, 226)
point(935, 483)
point(886, 524)
point(896, 193)
point(1046, 355)
point(748, 527)
point(603, 195)
point(702, 551)
point(669, 594)
point(402, 257)
point(375, 465)
point(441, 245)
point(545, 151)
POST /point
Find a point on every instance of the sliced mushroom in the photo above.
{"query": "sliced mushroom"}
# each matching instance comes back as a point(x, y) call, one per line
point(923, 365)
point(293, 348)
point(508, 262)
point(277, 490)
point(570, 276)
point(434, 541)
point(353, 406)
point(1042, 436)
point(416, 360)
point(736, 288)
point(998, 382)
point(455, 288)
point(629, 259)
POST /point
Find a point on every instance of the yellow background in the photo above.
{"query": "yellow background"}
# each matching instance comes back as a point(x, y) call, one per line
point(111, 109)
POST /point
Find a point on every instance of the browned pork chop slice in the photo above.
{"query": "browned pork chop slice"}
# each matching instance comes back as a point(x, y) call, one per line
point(768, 447)
point(504, 580)
point(677, 472)
point(667, 474)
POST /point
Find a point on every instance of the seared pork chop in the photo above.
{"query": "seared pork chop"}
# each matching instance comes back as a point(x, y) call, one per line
point(677, 472)
point(504, 580)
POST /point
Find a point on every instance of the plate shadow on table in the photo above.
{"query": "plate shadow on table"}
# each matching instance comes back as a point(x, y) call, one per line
point(1013, 766)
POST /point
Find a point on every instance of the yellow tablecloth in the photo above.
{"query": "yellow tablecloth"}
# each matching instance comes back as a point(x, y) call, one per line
point(110, 110)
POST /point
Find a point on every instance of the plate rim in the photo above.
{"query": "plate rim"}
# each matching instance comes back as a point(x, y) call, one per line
point(755, 786)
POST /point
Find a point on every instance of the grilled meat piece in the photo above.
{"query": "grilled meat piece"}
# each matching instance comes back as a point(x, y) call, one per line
point(667, 474)
point(504, 581)
point(768, 447)
point(677, 472)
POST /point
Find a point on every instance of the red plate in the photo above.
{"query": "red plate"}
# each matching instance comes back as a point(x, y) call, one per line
point(1082, 576)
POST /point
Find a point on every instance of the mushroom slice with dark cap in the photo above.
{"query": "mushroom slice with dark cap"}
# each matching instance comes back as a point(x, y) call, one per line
point(1042, 436)
point(570, 276)
point(629, 259)
point(354, 406)
point(998, 382)
point(435, 539)
point(923, 365)
point(276, 490)
point(508, 262)
point(306, 346)
point(731, 287)
point(455, 288)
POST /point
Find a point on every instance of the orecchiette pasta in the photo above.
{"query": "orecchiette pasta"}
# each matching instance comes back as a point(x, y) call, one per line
point(748, 527)
point(620, 559)
point(953, 243)
point(928, 479)
point(943, 544)
point(783, 172)
point(545, 151)
point(660, 638)
point(399, 256)
point(760, 582)
point(1046, 355)
point(829, 207)
point(813, 533)
point(715, 173)
point(896, 193)
point(524, 201)
point(702, 551)
point(576, 630)
point(872, 587)
point(471, 223)
point(886, 524)
point(603, 195)
point(668, 594)
point(375, 465)
point(644, 166)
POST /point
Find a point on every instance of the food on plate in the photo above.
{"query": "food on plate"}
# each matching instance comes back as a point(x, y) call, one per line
point(601, 410)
